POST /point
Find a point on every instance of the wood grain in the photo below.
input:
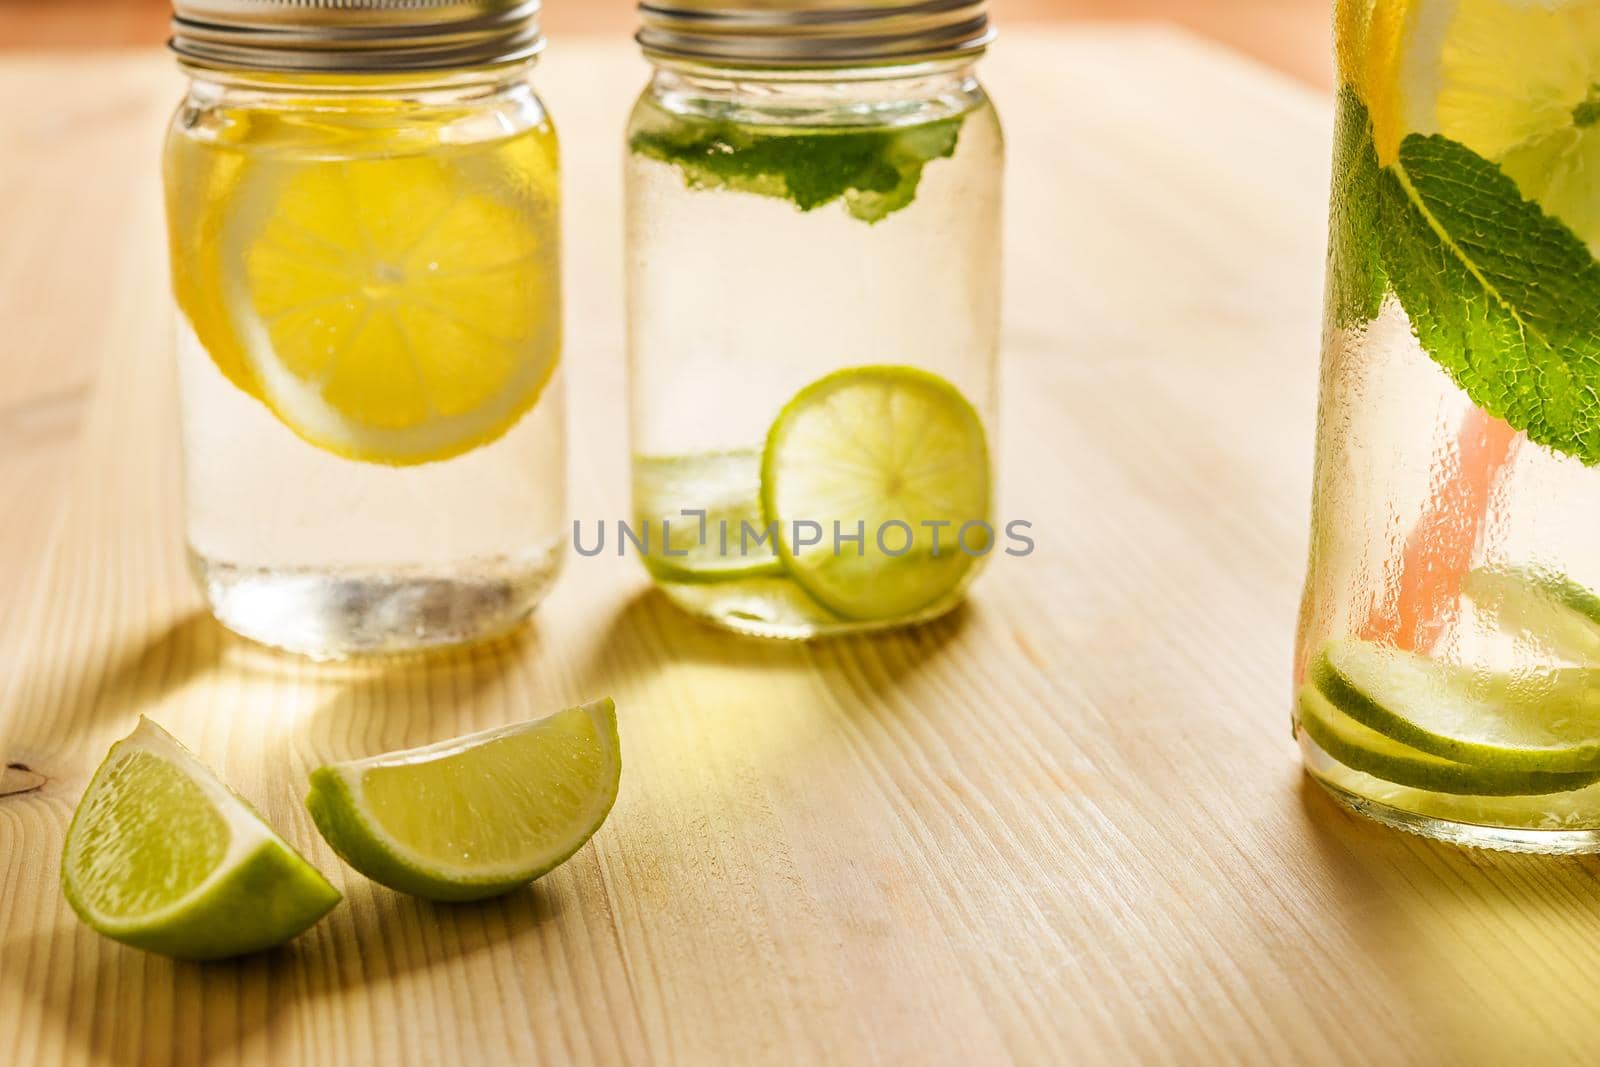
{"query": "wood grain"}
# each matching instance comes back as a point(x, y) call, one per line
point(1064, 825)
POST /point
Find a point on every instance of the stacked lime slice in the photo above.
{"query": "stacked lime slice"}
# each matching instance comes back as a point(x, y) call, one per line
point(1421, 722)
point(721, 538)
point(872, 493)
point(1545, 609)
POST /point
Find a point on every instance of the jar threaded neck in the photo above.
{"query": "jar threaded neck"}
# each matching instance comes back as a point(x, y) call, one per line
point(831, 33)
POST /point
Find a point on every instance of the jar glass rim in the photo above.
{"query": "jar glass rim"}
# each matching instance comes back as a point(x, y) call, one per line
point(358, 83)
point(904, 69)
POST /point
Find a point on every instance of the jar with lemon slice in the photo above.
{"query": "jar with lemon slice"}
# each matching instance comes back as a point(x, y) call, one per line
point(363, 214)
point(1448, 677)
point(813, 244)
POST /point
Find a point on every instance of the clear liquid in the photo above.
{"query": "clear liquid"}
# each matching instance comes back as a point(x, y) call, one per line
point(1415, 485)
point(738, 300)
point(729, 579)
point(306, 551)
point(303, 545)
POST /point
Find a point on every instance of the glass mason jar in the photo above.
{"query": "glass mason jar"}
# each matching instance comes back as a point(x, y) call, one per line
point(362, 203)
point(813, 258)
point(1450, 630)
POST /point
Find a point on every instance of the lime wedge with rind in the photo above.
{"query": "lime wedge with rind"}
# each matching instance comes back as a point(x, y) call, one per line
point(1543, 607)
point(1364, 749)
point(163, 856)
point(1537, 721)
point(476, 816)
point(893, 455)
point(728, 542)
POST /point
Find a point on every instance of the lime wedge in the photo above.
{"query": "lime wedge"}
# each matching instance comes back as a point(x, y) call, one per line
point(1539, 721)
point(161, 855)
point(478, 815)
point(1547, 608)
point(896, 455)
point(1364, 749)
point(722, 545)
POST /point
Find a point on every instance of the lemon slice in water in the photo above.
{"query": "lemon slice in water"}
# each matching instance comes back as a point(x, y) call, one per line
point(390, 309)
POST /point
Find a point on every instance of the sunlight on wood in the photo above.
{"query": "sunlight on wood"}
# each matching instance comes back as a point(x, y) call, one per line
point(1063, 825)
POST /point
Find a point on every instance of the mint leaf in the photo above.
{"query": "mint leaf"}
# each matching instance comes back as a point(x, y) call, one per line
point(1356, 280)
point(1503, 297)
point(875, 170)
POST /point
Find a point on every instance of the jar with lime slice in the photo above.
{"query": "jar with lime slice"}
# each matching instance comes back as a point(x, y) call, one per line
point(1449, 654)
point(813, 234)
point(362, 207)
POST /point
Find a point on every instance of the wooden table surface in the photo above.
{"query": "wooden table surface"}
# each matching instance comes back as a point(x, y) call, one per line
point(1065, 825)
point(1291, 35)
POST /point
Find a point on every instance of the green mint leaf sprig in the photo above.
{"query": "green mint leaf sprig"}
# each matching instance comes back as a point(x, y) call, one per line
point(1505, 298)
point(875, 170)
point(1356, 281)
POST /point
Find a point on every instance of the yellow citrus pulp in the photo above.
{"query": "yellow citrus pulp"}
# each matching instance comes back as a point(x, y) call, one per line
point(389, 297)
point(1516, 81)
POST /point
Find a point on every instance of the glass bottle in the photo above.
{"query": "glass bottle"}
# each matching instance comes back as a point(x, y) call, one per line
point(1449, 637)
point(813, 257)
point(363, 214)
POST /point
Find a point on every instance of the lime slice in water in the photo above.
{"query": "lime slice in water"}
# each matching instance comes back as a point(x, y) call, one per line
point(161, 855)
point(478, 815)
point(726, 486)
point(1364, 749)
point(1547, 608)
point(1538, 721)
point(896, 455)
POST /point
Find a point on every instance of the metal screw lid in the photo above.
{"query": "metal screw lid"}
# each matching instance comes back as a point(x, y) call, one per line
point(355, 36)
point(813, 33)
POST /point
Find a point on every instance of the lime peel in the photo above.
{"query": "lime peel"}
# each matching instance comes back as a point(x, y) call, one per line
point(1364, 749)
point(1541, 721)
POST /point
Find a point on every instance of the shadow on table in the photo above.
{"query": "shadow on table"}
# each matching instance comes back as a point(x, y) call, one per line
point(147, 1008)
point(378, 936)
point(1488, 957)
point(650, 633)
point(127, 677)
point(116, 1004)
point(62, 703)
